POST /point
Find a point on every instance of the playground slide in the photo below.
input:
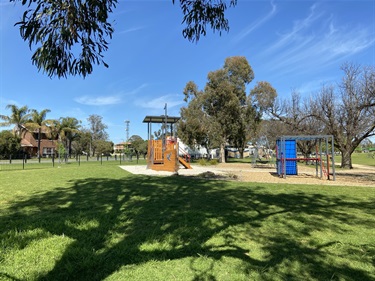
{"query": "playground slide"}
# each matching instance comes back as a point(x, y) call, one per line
point(184, 163)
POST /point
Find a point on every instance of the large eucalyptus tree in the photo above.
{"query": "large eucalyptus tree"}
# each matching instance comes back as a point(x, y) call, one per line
point(222, 111)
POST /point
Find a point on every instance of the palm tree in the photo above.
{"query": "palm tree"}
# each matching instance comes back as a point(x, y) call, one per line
point(19, 116)
point(66, 129)
point(38, 122)
point(69, 129)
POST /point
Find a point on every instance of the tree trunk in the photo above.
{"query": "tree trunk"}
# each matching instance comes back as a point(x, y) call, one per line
point(346, 159)
point(208, 152)
point(69, 147)
point(39, 133)
point(222, 153)
point(241, 150)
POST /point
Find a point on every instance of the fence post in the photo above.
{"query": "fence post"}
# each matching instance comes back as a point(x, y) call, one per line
point(53, 160)
point(10, 159)
point(23, 161)
point(79, 160)
point(101, 159)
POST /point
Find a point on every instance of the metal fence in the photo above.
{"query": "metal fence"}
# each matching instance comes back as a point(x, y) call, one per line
point(24, 163)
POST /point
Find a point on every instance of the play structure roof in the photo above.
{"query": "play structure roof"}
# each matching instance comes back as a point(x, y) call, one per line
point(161, 119)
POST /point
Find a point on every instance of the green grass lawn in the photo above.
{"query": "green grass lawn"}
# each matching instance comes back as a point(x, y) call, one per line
point(98, 222)
point(359, 158)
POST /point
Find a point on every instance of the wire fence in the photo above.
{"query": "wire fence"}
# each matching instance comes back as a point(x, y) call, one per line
point(24, 163)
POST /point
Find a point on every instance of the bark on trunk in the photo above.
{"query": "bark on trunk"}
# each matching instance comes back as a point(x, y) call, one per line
point(241, 151)
point(39, 137)
point(222, 153)
point(346, 159)
point(69, 147)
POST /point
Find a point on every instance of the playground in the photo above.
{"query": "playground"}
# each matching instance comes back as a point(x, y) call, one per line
point(165, 158)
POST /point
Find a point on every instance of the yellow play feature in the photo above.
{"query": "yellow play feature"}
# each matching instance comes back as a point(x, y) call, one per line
point(164, 154)
point(166, 159)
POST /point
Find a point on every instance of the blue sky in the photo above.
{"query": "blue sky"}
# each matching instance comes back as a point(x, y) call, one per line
point(294, 45)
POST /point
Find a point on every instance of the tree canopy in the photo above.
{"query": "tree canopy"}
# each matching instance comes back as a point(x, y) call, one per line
point(18, 117)
point(57, 28)
point(138, 145)
point(98, 131)
point(222, 113)
point(9, 144)
point(345, 111)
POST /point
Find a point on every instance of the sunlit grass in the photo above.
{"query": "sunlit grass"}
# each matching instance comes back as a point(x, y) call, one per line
point(97, 222)
point(360, 159)
point(32, 164)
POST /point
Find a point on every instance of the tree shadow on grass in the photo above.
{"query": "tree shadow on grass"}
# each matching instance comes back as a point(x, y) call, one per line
point(136, 219)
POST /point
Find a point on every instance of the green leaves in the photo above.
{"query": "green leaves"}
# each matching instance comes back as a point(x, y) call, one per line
point(200, 13)
point(219, 114)
point(70, 36)
point(263, 95)
point(9, 144)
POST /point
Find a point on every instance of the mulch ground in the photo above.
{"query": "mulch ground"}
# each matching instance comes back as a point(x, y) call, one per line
point(359, 176)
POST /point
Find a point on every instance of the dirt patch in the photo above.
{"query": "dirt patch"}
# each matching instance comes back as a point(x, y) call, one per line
point(359, 176)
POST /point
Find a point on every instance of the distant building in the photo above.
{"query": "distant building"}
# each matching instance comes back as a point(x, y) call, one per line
point(29, 143)
point(120, 147)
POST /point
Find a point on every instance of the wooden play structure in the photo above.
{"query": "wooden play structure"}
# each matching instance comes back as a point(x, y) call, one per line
point(165, 154)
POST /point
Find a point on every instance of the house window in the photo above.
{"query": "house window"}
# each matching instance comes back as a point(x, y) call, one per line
point(47, 151)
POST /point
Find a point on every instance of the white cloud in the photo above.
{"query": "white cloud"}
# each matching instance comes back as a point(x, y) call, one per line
point(298, 27)
point(97, 101)
point(159, 102)
point(316, 43)
point(109, 100)
point(133, 29)
point(313, 86)
point(136, 90)
point(255, 25)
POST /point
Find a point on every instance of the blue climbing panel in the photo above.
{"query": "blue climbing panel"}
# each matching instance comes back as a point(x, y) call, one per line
point(289, 150)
